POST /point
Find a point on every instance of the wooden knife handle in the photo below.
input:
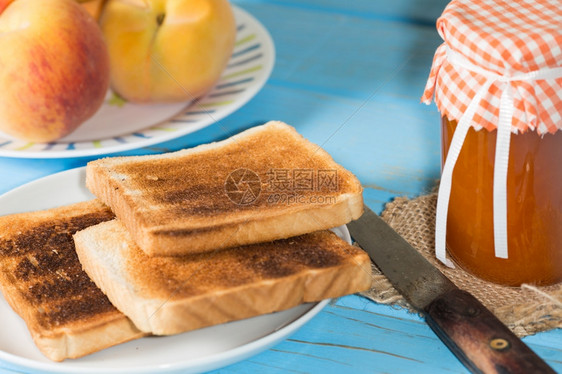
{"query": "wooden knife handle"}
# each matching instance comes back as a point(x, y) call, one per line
point(481, 341)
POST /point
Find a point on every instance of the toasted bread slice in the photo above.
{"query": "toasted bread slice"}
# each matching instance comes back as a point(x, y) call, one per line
point(43, 281)
point(263, 184)
point(169, 295)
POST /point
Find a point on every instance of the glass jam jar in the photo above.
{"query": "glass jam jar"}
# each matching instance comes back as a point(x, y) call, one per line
point(497, 82)
point(534, 207)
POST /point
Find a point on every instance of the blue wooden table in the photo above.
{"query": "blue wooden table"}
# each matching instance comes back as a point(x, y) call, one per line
point(348, 76)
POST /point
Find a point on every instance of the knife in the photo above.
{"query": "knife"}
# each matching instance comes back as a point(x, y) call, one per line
point(474, 335)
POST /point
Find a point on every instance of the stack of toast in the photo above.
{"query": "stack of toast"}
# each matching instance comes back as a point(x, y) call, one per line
point(217, 233)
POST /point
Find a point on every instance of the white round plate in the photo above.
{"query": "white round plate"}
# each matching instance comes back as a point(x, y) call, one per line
point(196, 351)
point(120, 126)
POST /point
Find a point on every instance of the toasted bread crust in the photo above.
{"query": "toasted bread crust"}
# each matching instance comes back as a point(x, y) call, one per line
point(168, 295)
point(182, 202)
point(43, 281)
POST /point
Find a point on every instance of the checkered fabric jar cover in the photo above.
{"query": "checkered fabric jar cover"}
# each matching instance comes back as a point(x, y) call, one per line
point(512, 42)
point(500, 67)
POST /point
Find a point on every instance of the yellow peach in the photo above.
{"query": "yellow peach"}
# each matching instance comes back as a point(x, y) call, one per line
point(93, 7)
point(167, 50)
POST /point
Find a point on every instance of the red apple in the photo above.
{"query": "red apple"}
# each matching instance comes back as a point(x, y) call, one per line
point(54, 68)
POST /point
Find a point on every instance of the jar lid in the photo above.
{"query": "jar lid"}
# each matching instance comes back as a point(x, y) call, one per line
point(489, 44)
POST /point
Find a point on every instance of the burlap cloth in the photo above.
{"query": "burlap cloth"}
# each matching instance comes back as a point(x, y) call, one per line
point(526, 310)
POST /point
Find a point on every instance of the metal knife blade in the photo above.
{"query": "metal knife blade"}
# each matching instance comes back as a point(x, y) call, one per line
point(478, 339)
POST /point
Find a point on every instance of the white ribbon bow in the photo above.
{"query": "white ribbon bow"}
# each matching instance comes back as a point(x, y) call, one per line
point(501, 158)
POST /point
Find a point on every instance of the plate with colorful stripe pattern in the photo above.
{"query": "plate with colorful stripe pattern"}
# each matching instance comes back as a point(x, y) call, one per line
point(120, 126)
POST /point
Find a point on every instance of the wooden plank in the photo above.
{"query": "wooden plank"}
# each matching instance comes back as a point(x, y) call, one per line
point(400, 11)
point(350, 56)
point(355, 335)
point(377, 343)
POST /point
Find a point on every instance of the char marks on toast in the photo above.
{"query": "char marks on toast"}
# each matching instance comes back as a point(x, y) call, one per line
point(42, 279)
point(168, 295)
point(179, 203)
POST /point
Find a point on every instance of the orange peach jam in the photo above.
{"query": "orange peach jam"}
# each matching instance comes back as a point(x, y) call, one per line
point(534, 207)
